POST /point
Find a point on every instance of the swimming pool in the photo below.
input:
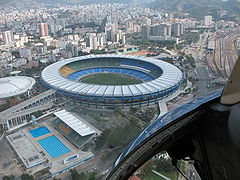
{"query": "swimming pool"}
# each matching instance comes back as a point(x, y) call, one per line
point(53, 146)
point(39, 132)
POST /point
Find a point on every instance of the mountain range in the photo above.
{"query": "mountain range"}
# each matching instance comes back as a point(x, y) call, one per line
point(196, 8)
point(52, 3)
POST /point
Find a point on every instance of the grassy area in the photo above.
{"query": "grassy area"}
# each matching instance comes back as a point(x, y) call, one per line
point(42, 172)
point(153, 176)
point(110, 79)
point(172, 175)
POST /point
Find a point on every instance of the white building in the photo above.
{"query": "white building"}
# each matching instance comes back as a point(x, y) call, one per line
point(208, 20)
point(7, 37)
point(92, 42)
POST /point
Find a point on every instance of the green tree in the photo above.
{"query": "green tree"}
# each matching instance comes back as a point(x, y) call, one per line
point(165, 165)
point(27, 177)
point(75, 175)
point(92, 176)
point(16, 54)
point(83, 176)
point(96, 51)
point(51, 48)
point(37, 113)
point(81, 53)
point(6, 178)
point(28, 44)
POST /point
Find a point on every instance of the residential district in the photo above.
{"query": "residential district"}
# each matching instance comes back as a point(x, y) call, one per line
point(58, 120)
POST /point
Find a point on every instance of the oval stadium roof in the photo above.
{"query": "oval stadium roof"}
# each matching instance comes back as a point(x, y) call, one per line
point(15, 85)
point(170, 77)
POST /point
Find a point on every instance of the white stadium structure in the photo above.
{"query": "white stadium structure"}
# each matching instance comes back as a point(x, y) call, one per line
point(15, 85)
point(158, 79)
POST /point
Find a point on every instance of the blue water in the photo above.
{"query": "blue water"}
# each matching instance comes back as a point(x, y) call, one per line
point(39, 131)
point(53, 146)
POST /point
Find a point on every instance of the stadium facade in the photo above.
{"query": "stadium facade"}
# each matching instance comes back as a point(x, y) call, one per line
point(158, 79)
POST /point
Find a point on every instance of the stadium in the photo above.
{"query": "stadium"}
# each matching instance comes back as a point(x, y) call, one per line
point(110, 81)
point(15, 85)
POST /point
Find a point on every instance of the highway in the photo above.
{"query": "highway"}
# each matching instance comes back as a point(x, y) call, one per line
point(202, 71)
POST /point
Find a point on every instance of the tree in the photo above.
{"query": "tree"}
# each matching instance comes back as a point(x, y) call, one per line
point(75, 175)
point(165, 165)
point(26, 177)
point(28, 44)
point(9, 177)
point(16, 54)
point(133, 110)
point(83, 176)
point(51, 48)
point(37, 113)
point(81, 53)
point(92, 176)
point(96, 51)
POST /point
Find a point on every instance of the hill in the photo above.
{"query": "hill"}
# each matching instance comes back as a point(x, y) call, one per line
point(198, 8)
point(52, 3)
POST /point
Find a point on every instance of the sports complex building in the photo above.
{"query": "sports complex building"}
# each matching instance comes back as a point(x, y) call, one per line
point(55, 144)
point(15, 85)
point(109, 81)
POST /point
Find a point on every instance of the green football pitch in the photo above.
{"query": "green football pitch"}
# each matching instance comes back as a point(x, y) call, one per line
point(110, 79)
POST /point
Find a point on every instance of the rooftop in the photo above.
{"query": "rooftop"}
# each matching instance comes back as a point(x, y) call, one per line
point(15, 85)
point(12, 111)
point(75, 123)
point(28, 153)
point(170, 77)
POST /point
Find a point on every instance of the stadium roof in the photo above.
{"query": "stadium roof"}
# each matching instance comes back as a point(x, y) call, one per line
point(15, 85)
point(171, 76)
point(76, 124)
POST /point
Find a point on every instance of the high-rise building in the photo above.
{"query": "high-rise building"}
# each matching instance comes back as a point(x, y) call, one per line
point(72, 48)
point(110, 35)
point(208, 20)
point(168, 30)
point(43, 29)
point(146, 32)
point(157, 30)
point(146, 21)
point(161, 30)
point(177, 29)
point(136, 28)
point(7, 37)
point(92, 42)
point(115, 26)
point(130, 24)
point(102, 38)
point(26, 53)
point(124, 39)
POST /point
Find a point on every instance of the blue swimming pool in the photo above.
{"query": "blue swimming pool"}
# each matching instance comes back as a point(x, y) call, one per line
point(53, 146)
point(39, 131)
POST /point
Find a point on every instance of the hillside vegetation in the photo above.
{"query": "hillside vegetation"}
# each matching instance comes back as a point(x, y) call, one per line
point(198, 8)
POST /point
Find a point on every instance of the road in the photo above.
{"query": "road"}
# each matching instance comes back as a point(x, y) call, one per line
point(202, 71)
point(97, 163)
point(224, 53)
